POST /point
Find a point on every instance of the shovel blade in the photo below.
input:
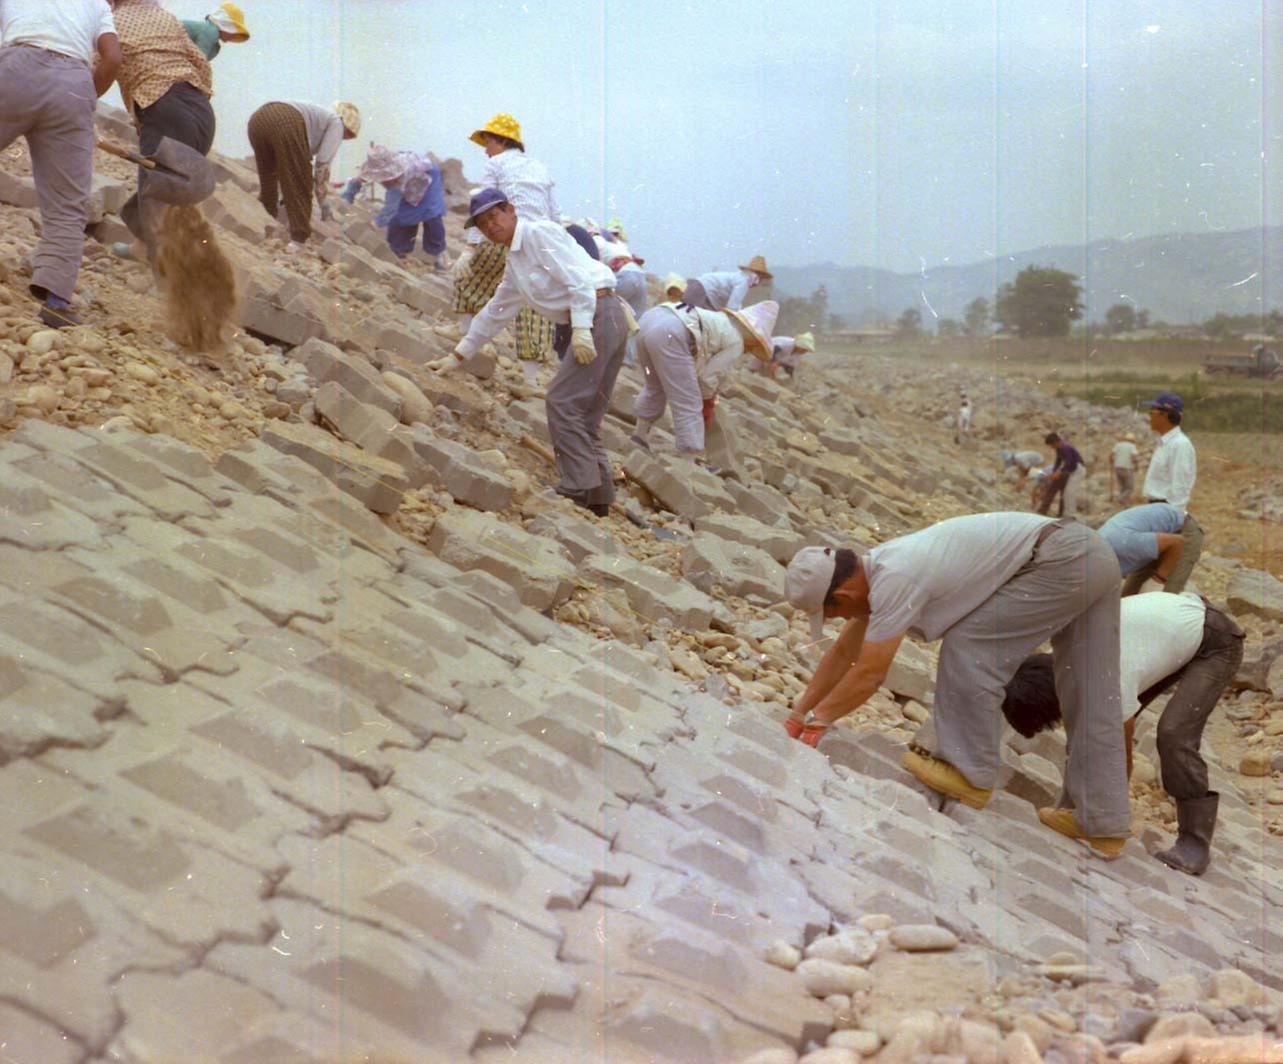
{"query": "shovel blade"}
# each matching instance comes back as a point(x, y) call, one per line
point(182, 175)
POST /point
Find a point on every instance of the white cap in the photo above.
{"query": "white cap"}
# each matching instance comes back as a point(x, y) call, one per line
point(806, 583)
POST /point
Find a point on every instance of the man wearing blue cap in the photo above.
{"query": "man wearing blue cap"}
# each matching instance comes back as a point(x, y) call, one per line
point(1170, 479)
point(548, 270)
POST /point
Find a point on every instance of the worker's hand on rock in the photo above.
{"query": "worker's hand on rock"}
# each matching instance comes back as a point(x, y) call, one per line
point(447, 363)
point(581, 346)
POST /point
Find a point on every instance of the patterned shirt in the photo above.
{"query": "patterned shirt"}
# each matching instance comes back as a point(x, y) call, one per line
point(157, 55)
point(525, 182)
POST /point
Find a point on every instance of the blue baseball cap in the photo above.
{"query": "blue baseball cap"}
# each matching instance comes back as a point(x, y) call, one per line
point(482, 202)
point(1167, 401)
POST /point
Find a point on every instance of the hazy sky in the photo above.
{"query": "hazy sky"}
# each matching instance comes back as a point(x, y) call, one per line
point(891, 133)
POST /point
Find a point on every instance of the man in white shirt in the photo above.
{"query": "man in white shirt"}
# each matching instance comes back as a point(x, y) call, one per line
point(726, 289)
point(48, 88)
point(1166, 641)
point(962, 426)
point(992, 587)
point(1124, 455)
point(548, 270)
point(1170, 478)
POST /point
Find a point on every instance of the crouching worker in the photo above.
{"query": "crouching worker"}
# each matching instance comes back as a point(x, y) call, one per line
point(548, 270)
point(992, 588)
point(1167, 641)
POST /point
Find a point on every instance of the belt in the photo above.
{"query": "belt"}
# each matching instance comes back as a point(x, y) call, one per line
point(48, 51)
point(1045, 532)
point(1148, 499)
point(602, 293)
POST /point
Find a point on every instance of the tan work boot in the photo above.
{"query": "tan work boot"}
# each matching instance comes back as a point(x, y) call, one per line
point(1106, 847)
point(941, 776)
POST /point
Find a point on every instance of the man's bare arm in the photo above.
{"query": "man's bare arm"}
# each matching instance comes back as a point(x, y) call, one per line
point(840, 657)
point(108, 65)
point(860, 681)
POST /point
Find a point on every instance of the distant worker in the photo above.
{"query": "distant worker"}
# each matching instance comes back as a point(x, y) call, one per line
point(49, 85)
point(962, 425)
point(786, 355)
point(1124, 455)
point(992, 587)
point(1067, 476)
point(415, 196)
point(685, 354)
point(1166, 641)
point(224, 26)
point(630, 278)
point(1023, 462)
point(726, 289)
point(545, 267)
point(294, 146)
point(674, 286)
point(1173, 468)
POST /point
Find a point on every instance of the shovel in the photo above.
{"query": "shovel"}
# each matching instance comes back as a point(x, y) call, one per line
point(175, 174)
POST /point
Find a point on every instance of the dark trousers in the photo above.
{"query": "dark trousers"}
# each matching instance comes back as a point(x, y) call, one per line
point(401, 237)
point(1198, 686)
point(1191, 551)
point(183, 114)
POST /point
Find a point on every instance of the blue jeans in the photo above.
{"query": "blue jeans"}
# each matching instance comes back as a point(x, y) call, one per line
point(401, 238)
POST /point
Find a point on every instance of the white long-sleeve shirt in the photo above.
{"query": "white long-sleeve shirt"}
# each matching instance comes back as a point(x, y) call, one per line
point(727, 289)
point(547, 270)
point(1172, 470)
point(718, 345)
point(526, 183)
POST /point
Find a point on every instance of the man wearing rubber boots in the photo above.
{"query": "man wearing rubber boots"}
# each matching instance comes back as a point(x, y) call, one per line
point(1180, 641)
point(992, 587)
point(548, 270)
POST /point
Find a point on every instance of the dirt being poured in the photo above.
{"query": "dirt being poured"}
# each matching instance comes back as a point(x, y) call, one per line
point(199, 283)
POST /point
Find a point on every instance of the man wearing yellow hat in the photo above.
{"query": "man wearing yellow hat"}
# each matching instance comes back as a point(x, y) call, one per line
point(286, 138)
point(226, 25)
point(787, 352)
point(727, 289)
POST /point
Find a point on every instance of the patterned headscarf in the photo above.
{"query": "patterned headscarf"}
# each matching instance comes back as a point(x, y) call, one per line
point(410, 173)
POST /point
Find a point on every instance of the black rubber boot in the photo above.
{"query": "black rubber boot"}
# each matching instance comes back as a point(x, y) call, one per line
point(1196, 819)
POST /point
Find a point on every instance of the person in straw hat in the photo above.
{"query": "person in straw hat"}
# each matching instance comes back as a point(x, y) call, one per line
point(294, 146)
point(526, 184)
point(414, 196)
point(224, 26)
point(992, 588)
point(546, 268)
point(1124, 455)
point(786, 355)
point(724, 289)
point(685, 353)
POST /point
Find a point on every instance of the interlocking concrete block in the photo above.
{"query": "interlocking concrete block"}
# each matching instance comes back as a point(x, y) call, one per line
point(423, 294)
point(18, 191)
point(460, 471)
point(738, 569)
point(577, 537)
point(762, 502)
point(911, 674)
point(326, 363)
point(678, 485)
point(36, 522)
point(374, 430)
point(781, 543)
point(652, 593)
point(1255, 593)
point(232, 208)
point(376, 482)
point(532, 565)
point(226, 169)
point(38, 710)
point(280, 325)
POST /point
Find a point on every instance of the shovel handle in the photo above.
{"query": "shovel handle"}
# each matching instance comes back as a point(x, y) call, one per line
point(121, 153)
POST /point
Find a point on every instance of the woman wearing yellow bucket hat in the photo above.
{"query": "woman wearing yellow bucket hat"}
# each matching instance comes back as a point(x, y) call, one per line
point(786, 354)
point(528, 186)
point(224, 26)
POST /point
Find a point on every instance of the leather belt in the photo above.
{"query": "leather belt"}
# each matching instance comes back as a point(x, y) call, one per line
point(602, 293)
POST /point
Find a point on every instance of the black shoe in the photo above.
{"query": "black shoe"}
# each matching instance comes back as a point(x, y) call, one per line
point(599, 509)
point(1196, 821)
point(58, 317)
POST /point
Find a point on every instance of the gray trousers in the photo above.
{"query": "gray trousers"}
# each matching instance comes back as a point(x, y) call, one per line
point(1067, 592)
point(1124, 482)
point(1191, 551)
point(668, 377)
point(50, 100)
point(1198, 687)
point(696, 296)
point(576, 403)
point(630, 284)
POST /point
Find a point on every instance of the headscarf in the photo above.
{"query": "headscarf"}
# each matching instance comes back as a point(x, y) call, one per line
point(411, 173)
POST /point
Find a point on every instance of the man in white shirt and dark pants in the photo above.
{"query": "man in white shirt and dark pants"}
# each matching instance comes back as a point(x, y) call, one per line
point(49, 85)
point(549, 271)
point(992, 588)
point(1124, 455)
point(1170, 478)
point(1167, 641)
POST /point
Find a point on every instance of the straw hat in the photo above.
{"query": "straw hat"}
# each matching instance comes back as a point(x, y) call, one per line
point(758, 265)
point(230, 19)
point(349, 115)
point(674, 280)
point(805, 342)
point(758, 322)
point(501, 125)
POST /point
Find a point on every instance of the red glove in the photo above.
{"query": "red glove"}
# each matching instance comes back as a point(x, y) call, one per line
point(709, 404)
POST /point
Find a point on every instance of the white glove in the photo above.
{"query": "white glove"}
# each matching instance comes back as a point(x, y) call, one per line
point(447, 363)
point(581, 346)
point(461, 265)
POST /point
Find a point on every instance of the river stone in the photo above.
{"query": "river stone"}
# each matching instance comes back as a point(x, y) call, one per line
point(823, 978)
point(922, 938)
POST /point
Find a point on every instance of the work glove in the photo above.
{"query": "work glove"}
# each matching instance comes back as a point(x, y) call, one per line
point(447, 363)
point(461, 266)
point(581, 346)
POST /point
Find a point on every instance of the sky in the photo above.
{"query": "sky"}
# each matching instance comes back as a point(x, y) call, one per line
point(900, 134)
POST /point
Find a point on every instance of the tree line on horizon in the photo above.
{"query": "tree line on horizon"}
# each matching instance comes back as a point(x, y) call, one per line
point(1041, 302)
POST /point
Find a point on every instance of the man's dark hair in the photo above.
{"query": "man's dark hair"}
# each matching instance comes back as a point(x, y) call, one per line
point(1174, 416)
point(845, 563)
point(508, 142)
point(1051, 438)
point(1030, 705)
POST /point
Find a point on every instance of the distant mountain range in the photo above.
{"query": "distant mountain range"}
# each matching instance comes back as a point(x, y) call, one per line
point(1180, 278)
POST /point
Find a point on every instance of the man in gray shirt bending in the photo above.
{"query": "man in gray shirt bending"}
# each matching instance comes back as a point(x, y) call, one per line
point(993, 587)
